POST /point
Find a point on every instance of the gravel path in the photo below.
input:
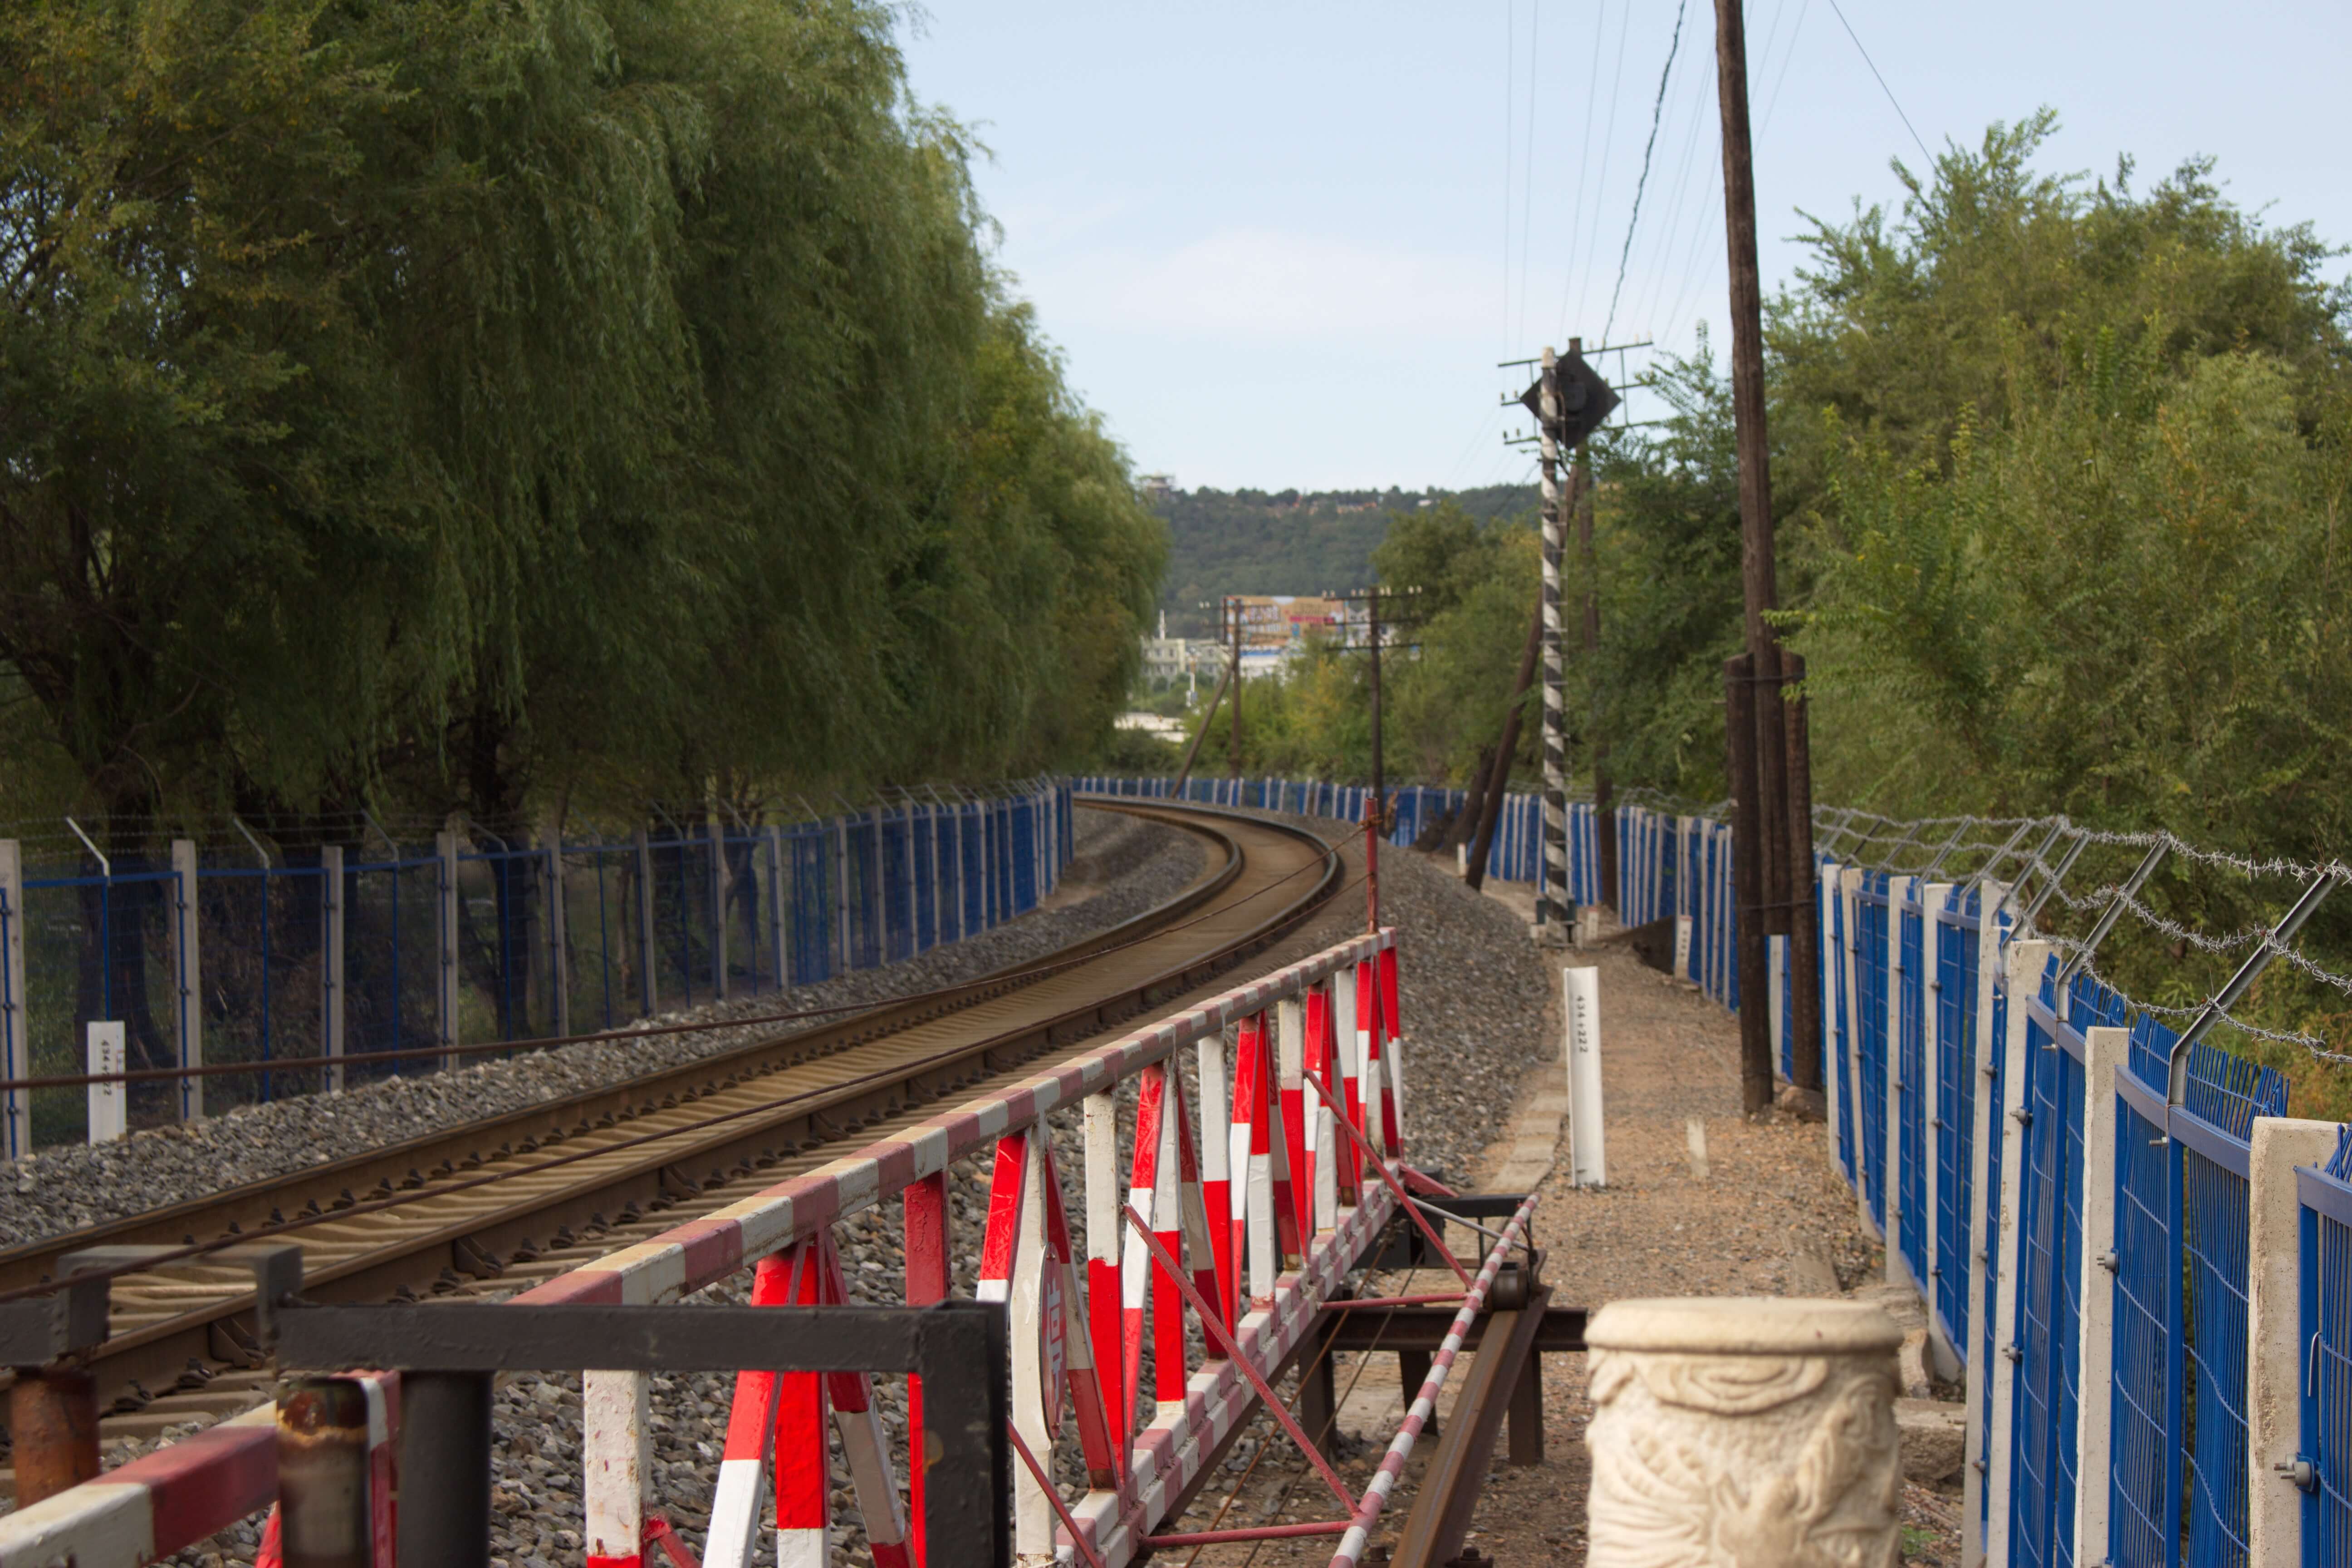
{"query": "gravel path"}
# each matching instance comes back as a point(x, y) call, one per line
point(1762, 1212)
point(1122, 867)
point(1472, 995)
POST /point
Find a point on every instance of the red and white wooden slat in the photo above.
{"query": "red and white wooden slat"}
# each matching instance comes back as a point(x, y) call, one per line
point(1274, 1221)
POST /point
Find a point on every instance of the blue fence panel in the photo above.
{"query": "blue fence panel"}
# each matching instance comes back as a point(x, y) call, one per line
point(1909, 997)
point(264, 931)
point(2048, 1315)
point(927, 870)
point(2224, 1093)
point(1955, 941)
point(971, 850)
point(99, 949)
point(897, 891)
point(813, 910)
point(504, 956)
point(1022, 820)
point(2141, 1516)
point(1870, 1005)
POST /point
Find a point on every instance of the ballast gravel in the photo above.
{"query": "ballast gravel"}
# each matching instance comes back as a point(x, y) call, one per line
point(1129, 863)
point(1472, 993)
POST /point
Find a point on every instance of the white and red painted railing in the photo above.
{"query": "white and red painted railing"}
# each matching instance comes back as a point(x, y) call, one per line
point(1249, 1200)
point(1250, 1185)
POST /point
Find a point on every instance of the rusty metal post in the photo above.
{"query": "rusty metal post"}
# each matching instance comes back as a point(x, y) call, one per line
point(52, 1429)
point(1372, 862)
point(325, 1516)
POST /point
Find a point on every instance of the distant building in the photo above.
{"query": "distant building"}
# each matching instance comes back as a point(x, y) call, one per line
point(1156, 486)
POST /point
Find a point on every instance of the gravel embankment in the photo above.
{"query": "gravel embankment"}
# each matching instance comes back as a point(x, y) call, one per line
point(1472, 994)
point(1129, 865)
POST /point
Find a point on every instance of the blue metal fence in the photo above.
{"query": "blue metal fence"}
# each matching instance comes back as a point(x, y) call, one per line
point(542, 939)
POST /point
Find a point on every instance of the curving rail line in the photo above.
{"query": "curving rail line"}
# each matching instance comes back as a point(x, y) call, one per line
point(512, 1200)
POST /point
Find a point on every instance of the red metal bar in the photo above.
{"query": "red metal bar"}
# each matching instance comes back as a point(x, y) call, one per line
point(1232, 1352)
point(1253, 1533)
point(1389, 1176)
point(927, 1281)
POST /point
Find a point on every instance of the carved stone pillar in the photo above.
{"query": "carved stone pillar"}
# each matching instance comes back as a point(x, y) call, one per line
point(1743, 1431)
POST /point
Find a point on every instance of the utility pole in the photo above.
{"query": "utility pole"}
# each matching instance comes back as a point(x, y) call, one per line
point(1372, 628)
point(1376, 632)
point(1551, 905)
point(1499, 773)
point(1233, 612)
point(1768, 843)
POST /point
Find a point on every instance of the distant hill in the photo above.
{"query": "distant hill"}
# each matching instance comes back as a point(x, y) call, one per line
point(1284, 542)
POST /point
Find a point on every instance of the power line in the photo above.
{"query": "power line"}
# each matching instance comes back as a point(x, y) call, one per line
point(1657, 108)
point(1584, 161)
point(1608, 144)
point(1510, 112)
point(1882, 81)
point(1527, 164)
point(1785, 58)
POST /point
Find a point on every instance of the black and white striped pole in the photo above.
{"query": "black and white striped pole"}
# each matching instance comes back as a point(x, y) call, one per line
point(1552, 918)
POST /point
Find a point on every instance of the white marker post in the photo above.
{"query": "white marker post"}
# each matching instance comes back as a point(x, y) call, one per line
point(1682, 947)
point(107, 1118)
point(1588, 1153)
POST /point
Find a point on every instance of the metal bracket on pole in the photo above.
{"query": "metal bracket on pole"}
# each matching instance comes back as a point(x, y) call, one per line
point(2106, 922)
point(1945, 852)
point(2058, 825)
point(2053, 876)
point(2256, 962)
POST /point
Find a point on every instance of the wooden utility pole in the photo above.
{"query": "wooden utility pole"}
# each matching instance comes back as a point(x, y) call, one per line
point(1373, 629)
point(1765, 861)
point(1499, 776)
point(1234, 610)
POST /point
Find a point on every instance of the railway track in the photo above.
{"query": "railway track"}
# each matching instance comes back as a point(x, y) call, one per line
point(505, 1202)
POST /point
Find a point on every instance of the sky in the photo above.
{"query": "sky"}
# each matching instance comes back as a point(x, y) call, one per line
point(1286, 244)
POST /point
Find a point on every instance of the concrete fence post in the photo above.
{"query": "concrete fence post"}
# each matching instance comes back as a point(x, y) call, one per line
point(1981, 1063)
point(187, 980)
point(2275, 1343)
point(2107, 1051)
point(332, 1008)
point(2025, 960)
point(445, 846)
point(1890, 1162)
point(648, 982)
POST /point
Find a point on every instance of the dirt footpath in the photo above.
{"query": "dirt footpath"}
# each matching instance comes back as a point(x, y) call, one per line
point(1700, 1202)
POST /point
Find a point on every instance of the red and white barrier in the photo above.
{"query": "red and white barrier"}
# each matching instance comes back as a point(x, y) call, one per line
point(1217, 1199)
point(1266, 1185)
